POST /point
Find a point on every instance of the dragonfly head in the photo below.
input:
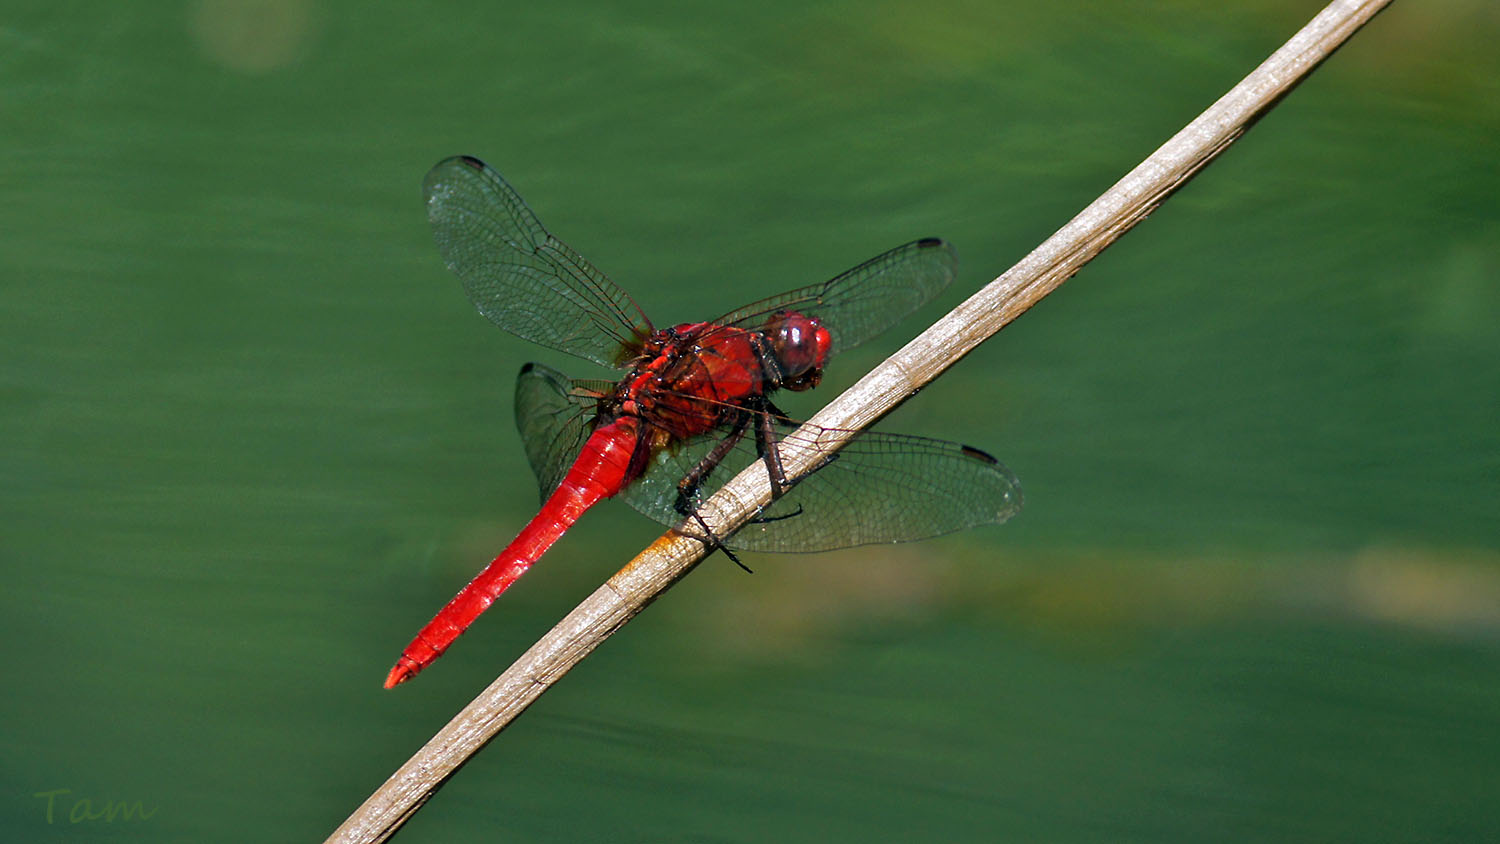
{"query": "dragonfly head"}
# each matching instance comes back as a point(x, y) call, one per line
point(801, 345)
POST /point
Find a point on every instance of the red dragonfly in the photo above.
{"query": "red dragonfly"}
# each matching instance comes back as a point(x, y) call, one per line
point(694, 396)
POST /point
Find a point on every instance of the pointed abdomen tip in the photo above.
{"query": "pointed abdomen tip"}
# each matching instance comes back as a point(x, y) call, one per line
point(400, 673)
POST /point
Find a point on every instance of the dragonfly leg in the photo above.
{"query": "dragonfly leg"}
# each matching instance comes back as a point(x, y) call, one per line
point(687, 488)
point(765, 443)
point(765, 520)
point(712, 540)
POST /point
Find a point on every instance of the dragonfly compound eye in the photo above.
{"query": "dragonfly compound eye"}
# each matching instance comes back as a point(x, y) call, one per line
point(800, 342)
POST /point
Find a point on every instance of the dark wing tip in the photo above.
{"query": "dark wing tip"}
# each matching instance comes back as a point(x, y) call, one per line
point(935, 246)
point(976, 454)
point(527, 367)
point(1010, 500)
point(439, 180)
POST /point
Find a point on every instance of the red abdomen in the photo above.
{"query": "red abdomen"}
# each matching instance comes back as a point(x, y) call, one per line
point(601, 470)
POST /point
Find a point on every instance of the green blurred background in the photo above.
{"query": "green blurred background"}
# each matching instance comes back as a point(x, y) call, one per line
point(254, 435)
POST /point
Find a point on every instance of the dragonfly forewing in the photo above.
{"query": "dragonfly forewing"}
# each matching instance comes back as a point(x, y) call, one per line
point(866, 300)
point(518, 275)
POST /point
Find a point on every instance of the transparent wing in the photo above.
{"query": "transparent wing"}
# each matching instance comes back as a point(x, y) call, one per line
point(554, 414)
point(866, 300)
point(878, 488)
point(517, 274)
